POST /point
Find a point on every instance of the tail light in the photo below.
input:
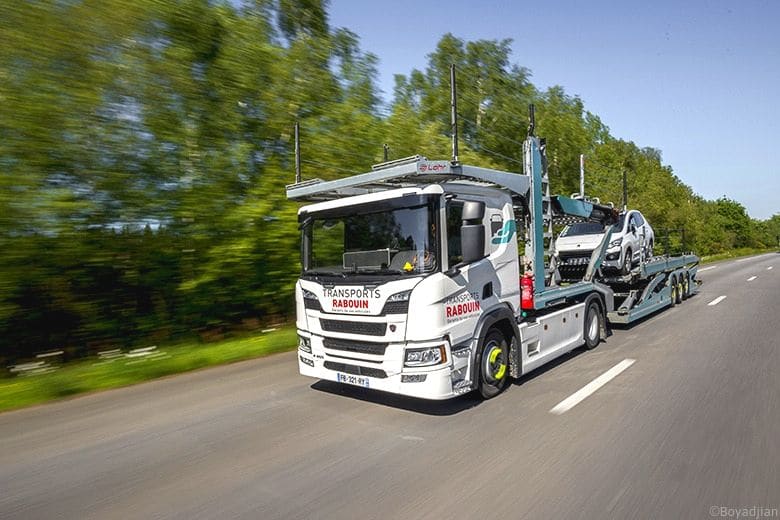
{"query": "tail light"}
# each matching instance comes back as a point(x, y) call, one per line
point(527, 292)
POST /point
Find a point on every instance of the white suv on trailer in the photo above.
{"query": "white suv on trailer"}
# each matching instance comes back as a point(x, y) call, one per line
point(632, 241)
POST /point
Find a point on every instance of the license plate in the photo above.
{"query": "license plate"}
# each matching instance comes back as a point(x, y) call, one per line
point(352, 380)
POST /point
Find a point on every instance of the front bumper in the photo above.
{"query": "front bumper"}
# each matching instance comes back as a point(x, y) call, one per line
point(386, 372)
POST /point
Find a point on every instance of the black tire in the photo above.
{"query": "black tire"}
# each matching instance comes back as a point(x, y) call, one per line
point(673, 296)
point(592, 326)
point(493, 364)
point(628, 262)
point(686, 287)
point(679, 290)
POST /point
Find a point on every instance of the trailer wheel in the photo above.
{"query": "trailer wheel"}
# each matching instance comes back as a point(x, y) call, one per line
point(680, 290)
point(628, 261)
point(686, 287)
point(673, 285)
point(593, 324)
point(493, 364)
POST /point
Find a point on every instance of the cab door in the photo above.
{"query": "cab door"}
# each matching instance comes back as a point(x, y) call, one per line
point(462, 286)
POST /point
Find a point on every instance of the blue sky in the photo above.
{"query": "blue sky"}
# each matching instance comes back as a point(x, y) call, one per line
point(699, 80)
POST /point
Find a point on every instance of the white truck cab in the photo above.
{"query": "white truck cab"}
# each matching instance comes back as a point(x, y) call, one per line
point(389, 299)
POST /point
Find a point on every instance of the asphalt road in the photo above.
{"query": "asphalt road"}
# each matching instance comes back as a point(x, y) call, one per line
point(692, 426)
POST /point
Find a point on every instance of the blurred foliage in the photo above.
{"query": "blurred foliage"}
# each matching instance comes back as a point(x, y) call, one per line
point(145, 145)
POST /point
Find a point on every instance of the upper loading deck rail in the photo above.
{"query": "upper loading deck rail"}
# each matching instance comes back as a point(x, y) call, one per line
point(418, 170)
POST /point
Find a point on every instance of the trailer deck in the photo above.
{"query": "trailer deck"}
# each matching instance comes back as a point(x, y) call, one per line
point(662, 281)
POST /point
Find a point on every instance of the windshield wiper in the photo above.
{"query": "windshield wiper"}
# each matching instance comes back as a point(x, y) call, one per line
point(385, 270)
point(322, 272)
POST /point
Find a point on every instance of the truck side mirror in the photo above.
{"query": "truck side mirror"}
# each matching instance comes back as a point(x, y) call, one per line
point(472, 232)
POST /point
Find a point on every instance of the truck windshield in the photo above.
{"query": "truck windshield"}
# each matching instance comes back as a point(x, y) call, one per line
point(401, 241)
point(583, 228)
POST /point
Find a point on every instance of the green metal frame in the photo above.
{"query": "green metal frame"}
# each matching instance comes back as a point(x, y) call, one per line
point(651, 300)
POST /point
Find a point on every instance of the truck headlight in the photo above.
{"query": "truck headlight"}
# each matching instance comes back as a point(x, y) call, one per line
point(424, 357)
point(399, 297)
point(310, 300)
point(304, 344)
point(616, 242)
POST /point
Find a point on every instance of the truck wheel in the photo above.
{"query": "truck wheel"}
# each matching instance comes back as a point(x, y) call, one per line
point(627, 262)
point(493, 364)
point(686, 287)
point(680, 290)
point(673, 285)
point(592, 332)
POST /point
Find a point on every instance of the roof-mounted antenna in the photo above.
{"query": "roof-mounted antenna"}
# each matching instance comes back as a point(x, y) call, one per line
point(454, 114)
point(531, 120)
point(297, 153)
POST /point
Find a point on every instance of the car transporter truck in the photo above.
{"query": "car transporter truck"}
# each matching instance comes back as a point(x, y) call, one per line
point(430, 278)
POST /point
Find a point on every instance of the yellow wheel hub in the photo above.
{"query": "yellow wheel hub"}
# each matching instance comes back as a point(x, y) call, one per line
point(498, 370)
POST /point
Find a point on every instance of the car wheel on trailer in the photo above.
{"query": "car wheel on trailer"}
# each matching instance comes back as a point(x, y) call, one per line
point(593, 324)
point(493, 364)
point(673, 296)
point(627, 262)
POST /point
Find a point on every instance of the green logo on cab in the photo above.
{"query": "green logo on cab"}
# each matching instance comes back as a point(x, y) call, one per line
point(504, 234)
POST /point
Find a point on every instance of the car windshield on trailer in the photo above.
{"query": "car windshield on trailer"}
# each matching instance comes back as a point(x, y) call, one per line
point(583, 228)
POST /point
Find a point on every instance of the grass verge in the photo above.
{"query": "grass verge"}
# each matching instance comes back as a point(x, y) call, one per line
point(92, 374)
point(736, 253)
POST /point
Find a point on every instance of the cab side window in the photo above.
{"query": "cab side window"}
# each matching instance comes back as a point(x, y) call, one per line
point(454, 221)
point(639, 220)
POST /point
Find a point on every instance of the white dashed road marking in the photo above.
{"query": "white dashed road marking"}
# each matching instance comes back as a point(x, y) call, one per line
point(717, 300)
point(752, 278)
point(578, 396)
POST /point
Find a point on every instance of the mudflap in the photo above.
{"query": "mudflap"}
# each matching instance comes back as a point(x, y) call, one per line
point(515, 366)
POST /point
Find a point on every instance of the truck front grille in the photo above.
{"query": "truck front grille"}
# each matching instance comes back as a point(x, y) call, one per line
point(377, 349)
point(396, 307)
point(356, 370)
point(354, 327)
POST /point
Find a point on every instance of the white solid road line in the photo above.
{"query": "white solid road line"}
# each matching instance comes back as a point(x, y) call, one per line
point(575, 398)
point(717, 300)
point(707, 268)
point(752, 278)
point(745, 259)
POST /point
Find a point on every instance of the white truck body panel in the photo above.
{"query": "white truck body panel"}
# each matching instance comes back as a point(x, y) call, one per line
point(551, 336)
